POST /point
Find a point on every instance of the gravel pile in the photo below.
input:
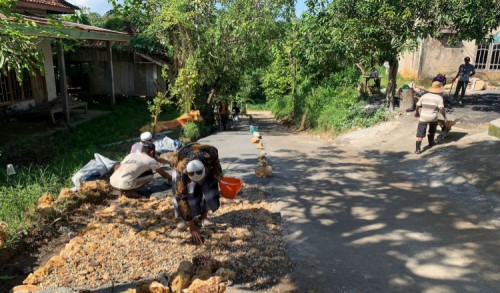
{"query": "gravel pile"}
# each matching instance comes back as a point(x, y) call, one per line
point(137, 239)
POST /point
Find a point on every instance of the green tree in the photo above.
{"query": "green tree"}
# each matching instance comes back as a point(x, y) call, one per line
point(209, 44)
point(385, 28)
point(18, 51)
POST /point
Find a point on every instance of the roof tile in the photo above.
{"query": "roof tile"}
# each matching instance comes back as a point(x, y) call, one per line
point(53, 3)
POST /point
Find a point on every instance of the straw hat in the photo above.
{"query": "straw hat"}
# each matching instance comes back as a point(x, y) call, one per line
point(436, 88)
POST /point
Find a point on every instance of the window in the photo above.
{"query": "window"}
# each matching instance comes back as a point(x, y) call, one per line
point(495, 57)
point(11, 91)
point(488, 57)
point(481, 56)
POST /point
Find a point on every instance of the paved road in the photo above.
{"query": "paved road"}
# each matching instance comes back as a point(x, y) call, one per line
point(371, 216)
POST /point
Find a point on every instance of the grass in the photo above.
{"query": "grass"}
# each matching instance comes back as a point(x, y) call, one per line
point(46, 164)
point(258, 106)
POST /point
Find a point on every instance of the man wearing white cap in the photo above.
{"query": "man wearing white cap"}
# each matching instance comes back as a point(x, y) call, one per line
point(145, 137)
point(195, 185)
point(431, 104)
point(136, 170)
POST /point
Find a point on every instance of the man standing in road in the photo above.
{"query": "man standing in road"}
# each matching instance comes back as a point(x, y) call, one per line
point(464, 72)
point(430, 103)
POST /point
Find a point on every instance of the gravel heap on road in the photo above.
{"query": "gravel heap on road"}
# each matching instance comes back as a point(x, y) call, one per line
point(137, 239)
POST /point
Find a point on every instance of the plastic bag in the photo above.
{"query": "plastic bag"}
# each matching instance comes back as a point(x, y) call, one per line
point(93, 170)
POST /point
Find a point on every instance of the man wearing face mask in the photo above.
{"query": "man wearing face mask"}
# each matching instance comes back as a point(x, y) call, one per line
point(195, 185)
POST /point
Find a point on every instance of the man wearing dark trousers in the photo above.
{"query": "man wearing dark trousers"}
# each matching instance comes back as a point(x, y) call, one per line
point(465, 71)
point(427, 114)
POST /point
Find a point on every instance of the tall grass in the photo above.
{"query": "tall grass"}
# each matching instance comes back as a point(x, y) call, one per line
point(332, 106)
point(56, 158)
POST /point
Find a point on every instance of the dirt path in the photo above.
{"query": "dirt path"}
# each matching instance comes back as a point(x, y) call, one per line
point(364, 214)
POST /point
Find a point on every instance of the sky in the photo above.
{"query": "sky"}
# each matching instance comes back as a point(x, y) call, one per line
point(102, 6)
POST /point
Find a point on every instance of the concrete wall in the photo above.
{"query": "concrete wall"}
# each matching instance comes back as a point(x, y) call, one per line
point(437, 56)
point(50, 78)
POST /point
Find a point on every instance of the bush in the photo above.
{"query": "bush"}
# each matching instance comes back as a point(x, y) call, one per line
point(192, 131)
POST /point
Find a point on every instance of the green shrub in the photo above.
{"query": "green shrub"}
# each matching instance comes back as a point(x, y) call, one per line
point(192, 131)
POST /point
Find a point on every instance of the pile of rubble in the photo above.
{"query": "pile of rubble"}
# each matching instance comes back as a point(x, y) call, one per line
point(135, 242)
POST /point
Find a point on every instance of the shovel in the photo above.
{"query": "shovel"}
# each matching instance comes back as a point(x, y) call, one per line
point(449, 93)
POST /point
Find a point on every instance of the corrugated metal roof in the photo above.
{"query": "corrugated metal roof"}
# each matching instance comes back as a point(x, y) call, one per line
point(83, 27)
point(62, 29)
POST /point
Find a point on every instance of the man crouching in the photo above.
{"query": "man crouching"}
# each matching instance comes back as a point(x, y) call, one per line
point(195, 185)
point(136, 170)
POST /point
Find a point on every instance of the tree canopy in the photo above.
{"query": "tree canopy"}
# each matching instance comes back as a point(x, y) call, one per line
point(18, 52)
point(385, 28)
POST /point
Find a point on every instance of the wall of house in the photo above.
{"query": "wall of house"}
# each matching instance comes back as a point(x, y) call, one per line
point(50, 78)
point(131, 78)
point(409, 63)
point(437, 56)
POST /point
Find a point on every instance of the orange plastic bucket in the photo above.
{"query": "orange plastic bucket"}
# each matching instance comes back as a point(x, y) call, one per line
point(229, 187)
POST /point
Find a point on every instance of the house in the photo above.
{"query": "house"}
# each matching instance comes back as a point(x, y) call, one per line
point(135, 73)
point(435, 56)
point(39, 90)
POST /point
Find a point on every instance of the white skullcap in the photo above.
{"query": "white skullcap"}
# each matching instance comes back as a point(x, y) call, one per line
point(196, 171)
point(195, 165)
point(146, 136)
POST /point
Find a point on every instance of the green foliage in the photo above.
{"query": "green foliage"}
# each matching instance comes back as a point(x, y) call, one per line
point(384, 29)
point(18, 51)
point(185, 85)
point(156, 106)
point(209, 45)
point(192, 131)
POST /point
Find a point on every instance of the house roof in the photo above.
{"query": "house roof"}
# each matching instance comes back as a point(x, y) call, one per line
point(69, 30)
point(54, 6)
point(151, 59)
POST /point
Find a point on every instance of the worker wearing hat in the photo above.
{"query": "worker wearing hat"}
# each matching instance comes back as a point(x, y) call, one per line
point(145, 137)
point(136, 170)
point(195, 185)
point(428, 108)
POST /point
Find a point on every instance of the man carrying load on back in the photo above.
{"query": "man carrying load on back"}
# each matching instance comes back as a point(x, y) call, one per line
point(195, 185)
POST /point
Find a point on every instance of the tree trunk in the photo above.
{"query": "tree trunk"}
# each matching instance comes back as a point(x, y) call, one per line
point(361, 68)
point(153, 125)
point(391, 86)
